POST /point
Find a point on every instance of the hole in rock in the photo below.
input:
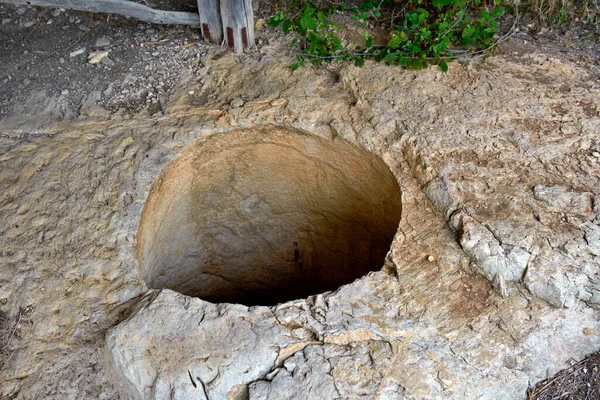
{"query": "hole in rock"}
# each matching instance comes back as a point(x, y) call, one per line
point(264, 216)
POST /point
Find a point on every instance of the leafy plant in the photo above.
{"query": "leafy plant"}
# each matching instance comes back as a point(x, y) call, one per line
point(425, 32)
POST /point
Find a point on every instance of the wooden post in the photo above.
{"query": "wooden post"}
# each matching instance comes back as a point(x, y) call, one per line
point(238, 24)
point(121, 7)
point(210, 20)
point(231, 20)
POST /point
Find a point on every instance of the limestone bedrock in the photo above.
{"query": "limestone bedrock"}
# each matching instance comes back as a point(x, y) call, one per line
point(264, 216)
point(500, 185)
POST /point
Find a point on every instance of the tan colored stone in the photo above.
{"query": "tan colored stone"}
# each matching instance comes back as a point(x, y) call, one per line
point(267, 215)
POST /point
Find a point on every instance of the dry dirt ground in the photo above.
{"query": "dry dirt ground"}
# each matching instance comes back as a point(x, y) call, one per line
point(45, 51)
point(47, 82)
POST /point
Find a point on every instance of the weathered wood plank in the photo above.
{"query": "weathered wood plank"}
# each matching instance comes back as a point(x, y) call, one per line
point(238, 23)
point(210, 20)
point(121, 7)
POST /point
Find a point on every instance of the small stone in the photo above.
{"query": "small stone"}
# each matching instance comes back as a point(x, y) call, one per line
point(55, 13)
point(96, 56)
point(28, 24)
point(61, 60)
point(278, 102)
point(102, 42)
point(236, 103)
point(108, 62)
point(150, 79)
point(21, 10)
point(6, 21)
point(596, 154)
point(125, 91)
point(499, 283)
point(191, 92)
point(49, 22)
point(65, 92)
point(26, 81)
point(77, 52)
point(431, 258)
point(161, 84)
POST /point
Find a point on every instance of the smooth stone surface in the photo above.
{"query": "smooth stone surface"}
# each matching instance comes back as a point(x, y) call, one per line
point(262, 216)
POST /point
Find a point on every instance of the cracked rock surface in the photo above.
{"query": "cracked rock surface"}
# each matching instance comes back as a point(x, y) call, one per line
point(491, 284)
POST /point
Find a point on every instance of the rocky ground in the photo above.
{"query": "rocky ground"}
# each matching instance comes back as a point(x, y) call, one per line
point(492, 283)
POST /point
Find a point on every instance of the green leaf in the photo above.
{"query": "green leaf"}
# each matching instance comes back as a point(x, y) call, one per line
point(308, 12)
point(468, 32)
point(391, 57)
point(443, 66)
point(441, 3)
point(295, 66)
point(394, 43)
point(369, 42)
point(415, 49)
point(308, 23)
point(287, 26)
point(442, 45)
point(303, 23)
point(363, 15)
point(498, 12)
point(322, 17)
point(274, 22)
point(359, 62)
point(382, 54)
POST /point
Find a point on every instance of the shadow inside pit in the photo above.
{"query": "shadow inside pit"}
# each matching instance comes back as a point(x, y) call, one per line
point(262, 217)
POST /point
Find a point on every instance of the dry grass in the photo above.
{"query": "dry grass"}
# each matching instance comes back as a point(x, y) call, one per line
point(581, 381)
point(552, 12)
point(8, 329)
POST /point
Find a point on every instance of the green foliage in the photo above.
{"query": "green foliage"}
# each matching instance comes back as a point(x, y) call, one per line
point(424, 33)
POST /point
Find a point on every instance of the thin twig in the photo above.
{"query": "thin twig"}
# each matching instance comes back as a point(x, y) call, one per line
point(7, 360)
point(9, 341)
point(12, 333)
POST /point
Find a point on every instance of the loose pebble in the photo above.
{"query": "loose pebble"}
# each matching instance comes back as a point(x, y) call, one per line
point(236, 103)
point(102, 42)
point(77, 52)
point(97, 56)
